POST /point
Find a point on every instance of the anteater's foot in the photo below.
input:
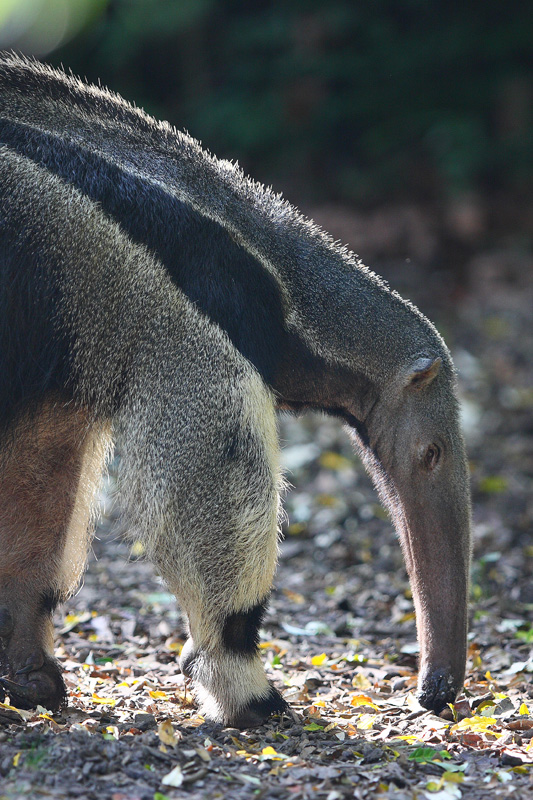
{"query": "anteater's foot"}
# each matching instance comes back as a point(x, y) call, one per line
point(28, 673)
point(231, 689)
point(37, 682)
point(259, 710)
point(437, 690)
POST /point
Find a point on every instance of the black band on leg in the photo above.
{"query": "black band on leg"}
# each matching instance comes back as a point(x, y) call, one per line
point(240, 631)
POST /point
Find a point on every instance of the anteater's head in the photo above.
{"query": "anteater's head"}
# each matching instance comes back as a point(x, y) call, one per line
point(412, 445)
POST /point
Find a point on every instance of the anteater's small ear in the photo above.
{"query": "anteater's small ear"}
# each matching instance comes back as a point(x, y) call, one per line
point(423, 371)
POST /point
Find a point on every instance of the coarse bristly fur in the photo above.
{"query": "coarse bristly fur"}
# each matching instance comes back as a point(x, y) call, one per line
point(153, 293)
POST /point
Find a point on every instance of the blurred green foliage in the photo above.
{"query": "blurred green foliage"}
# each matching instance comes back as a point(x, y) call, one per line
point(351, 100)
point(40, 26)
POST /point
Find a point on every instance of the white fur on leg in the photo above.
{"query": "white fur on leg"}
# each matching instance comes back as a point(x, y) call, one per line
point(225, 683)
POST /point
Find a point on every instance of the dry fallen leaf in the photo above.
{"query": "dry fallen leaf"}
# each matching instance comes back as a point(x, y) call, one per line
point(166, 734)
point(173, 778)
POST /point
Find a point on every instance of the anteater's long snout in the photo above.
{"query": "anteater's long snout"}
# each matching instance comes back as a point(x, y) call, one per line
point(436, 543)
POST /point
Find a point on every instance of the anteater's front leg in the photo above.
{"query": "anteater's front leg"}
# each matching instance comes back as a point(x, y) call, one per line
point(209, 460)
point(50, 466)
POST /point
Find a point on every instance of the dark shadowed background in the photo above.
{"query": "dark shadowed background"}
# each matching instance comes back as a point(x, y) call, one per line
point(339, 102)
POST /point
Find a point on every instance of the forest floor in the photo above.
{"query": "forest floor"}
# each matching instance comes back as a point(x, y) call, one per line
point(339, 638)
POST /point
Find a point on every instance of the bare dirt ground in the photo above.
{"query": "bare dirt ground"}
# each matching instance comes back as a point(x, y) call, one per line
point(339, 639)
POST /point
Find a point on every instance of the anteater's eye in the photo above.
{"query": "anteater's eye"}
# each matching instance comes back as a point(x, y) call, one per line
point(431, 459)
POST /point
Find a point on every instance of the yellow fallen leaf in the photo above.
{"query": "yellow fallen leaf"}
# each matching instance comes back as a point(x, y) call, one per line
point(366, 722)
point(316, 661)
point(55, 726)
point(362, 700)
point(476, 724)
point(352, 732)
point(280, 651)
point(9, 707)
point(270, 753)
point(485, 704)
point(360, 681)
point(319, 703)
point(453, 777)
point(158, 695)
point(16, 758)
point(410, 739)
point(488, 676)
point(103, 701)
point(524, 710)
point(20, 711)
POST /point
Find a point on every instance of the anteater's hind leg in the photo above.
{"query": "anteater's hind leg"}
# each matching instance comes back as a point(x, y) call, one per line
point(50, 468)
